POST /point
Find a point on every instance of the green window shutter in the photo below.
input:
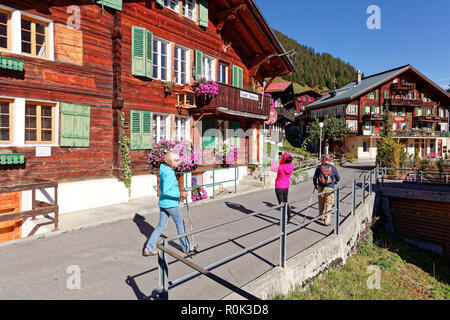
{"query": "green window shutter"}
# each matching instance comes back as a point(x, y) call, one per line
point(372, 128)
point(385, 94)
point(75, 125)
point(198, 63)
point(372, 109)
point(407, 126)
point(376, 94)
point(233, 76)
point(146, 118)
point(368, 95)
point(237, 77)
point(421, 96)
point(208, 142)
point(138, 51)
point(415, 95)
point(135, 130)
point(115, 4)
point(235, 125)
point(160, 3)
point(148, 54)
point(203, 13)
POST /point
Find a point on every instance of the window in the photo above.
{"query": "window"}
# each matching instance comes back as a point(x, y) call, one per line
point(208, 67)
point(181, 128)
point(34, 37)
point(160, 127)
point(223, 73)
point(172, 4)
point(376, 110)
point(142, 52)
point(352, 125)
point(39, 126)
point(180, 65)
point(366, 109)
point(161, 66)
point(189, 9)
point(371, 95)
point(4, 30)
point(6, 120)
point(352, 109)
point(365, 146)
point(186, 100)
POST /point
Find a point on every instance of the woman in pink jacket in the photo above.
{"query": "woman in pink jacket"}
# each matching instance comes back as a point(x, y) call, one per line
point(284, 171)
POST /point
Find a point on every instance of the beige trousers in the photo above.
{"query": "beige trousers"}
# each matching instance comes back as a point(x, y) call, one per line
point(326, 202)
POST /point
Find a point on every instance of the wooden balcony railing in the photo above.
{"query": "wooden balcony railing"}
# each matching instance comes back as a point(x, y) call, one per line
point(236, 99)
point(405, 102)
point(403, 86)
point(373, 116)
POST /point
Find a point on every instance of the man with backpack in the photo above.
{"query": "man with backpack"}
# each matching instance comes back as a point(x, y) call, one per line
point(325, 178)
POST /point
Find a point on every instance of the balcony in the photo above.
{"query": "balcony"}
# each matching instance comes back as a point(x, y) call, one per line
point(405, 102)
point(235, 101)
point(429, 118)
point(403, 86)
point(420, 133)
point(373, 116)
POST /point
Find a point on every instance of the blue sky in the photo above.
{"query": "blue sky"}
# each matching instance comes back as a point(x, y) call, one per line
point(415, 32)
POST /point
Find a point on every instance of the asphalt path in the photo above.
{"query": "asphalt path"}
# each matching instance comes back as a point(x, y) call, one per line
point(106, 262)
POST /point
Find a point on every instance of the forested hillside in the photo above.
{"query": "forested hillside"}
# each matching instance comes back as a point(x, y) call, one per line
point(315, 69)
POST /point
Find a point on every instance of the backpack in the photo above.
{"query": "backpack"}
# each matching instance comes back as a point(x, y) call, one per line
point(325, 176)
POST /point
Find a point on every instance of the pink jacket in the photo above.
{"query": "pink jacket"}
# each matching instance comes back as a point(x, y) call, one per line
point(284, 171)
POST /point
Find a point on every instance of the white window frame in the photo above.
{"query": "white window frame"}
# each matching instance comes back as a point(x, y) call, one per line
point(185, 7)
point(210, 62)
point(16, 33)
point(188, 63)
point(160, 117)
point(352, 125)
point(18, 132)
point(178, 129)
point(168, 58)
point(220, 72)
point(171, 2)
point(352, 109)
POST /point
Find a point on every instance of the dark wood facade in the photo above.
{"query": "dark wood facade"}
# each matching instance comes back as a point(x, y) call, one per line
point(80, 72)
point(92, 66)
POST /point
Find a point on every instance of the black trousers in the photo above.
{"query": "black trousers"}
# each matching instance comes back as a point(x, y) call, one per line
point(282, 196)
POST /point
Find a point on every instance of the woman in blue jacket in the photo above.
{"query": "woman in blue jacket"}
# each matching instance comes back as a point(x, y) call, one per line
point(169, 205)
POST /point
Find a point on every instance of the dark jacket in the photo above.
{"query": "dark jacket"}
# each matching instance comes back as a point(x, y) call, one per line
point(334, 175)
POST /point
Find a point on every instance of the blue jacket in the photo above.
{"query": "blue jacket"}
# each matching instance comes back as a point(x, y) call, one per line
point(334, 175)
point(168, 184)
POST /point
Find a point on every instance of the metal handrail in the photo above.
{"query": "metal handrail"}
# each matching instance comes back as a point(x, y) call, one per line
point(163, 281)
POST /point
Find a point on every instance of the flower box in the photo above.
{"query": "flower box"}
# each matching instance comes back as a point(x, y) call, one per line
point(12, 158)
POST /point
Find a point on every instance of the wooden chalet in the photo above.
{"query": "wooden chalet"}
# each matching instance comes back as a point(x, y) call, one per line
point(284, 99)
point(70, 70)
point(419, 109)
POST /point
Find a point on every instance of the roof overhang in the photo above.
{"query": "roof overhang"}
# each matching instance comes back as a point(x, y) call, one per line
point(242, 114)
point(252, 39)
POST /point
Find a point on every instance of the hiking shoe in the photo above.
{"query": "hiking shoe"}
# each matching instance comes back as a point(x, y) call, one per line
point(147, 253)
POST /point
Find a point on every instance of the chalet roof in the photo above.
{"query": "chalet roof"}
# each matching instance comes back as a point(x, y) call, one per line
point(252, 38)
point(353, 90)
point(278, 87)
point(311, 93)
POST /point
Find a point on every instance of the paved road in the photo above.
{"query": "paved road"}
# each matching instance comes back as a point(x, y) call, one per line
point(109, 261)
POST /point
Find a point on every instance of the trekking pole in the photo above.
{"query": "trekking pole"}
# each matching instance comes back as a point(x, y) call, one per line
point(190, 224)
point(310, 200)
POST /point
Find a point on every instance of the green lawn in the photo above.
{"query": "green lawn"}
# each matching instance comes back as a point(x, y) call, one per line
point(406, 273)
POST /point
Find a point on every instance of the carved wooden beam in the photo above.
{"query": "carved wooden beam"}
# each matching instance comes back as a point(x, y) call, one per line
point(227, 14)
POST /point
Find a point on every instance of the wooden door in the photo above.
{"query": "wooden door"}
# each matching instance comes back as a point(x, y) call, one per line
point(10, 230)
